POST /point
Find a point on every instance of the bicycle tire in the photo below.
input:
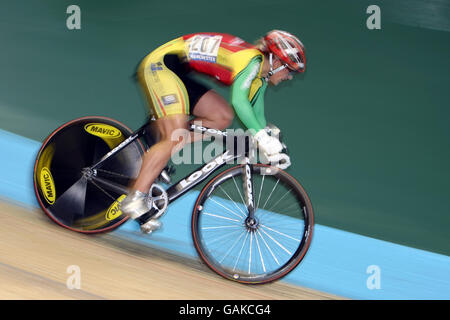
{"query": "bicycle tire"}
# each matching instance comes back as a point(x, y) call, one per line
point(199, 230)
point(58, 169)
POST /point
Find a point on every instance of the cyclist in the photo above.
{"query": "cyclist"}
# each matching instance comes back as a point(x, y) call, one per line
point(174, 96)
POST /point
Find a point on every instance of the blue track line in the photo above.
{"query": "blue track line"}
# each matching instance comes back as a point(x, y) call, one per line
point(337, 261)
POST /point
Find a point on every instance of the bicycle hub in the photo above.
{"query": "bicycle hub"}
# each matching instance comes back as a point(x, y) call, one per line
point(251, 223)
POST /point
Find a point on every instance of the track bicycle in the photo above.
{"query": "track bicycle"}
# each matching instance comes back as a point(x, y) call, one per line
point(251, 223)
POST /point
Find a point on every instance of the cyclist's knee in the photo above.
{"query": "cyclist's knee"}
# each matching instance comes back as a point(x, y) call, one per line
point(173, 129)
point(213, 108)
point(227, 118)
point(223, 118)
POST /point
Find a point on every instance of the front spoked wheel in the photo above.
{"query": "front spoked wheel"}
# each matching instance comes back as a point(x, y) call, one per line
point(268, 248)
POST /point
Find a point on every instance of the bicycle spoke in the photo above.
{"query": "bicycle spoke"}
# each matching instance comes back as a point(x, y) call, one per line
point(224, 236)
point(279, 244)
point(271, 193)
point(232, 201)
point(287, 224)
point(288, 207)
point(231, 248)
point(260, 254)
point(250, 255)
point(240, 194)
point(268, 248)
point(260, 192)
point(240, 252)
point(279, 200)
point(221, 217)
point(220, 227)
point(237, 215)
point(289, 227)
point(295, 213)
point(280, 233)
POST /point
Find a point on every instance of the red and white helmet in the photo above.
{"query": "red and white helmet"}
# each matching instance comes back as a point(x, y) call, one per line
point(288, 48)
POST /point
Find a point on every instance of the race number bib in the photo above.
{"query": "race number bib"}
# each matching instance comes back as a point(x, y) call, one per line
point(204, 47)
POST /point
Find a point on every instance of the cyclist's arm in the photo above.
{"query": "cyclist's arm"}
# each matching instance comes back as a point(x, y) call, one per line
point(258, 103)
point(251, 116)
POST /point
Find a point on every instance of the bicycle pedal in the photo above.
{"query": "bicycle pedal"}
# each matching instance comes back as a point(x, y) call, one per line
point(150, 226)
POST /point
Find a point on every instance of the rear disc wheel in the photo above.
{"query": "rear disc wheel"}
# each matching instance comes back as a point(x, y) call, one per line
point(62, 178)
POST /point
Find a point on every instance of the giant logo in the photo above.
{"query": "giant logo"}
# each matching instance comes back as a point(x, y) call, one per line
point(47, 185)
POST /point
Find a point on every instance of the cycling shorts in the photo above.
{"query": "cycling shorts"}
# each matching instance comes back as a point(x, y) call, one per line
point(169, 87)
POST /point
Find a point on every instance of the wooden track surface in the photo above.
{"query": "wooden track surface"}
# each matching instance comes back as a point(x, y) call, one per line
point(35, 254)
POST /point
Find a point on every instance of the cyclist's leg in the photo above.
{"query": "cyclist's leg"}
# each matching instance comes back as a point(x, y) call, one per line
point(169, 103)
point(159, 154)
point(213, 111)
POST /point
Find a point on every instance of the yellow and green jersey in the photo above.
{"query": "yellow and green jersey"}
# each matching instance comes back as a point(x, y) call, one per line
point(228, 59)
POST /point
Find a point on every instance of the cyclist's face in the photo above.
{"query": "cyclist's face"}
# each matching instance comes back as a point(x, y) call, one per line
point(281, 75)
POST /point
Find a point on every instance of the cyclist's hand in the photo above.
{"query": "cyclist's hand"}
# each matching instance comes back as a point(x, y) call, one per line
point(279, 160)
point(268, 145)
point(273, 130)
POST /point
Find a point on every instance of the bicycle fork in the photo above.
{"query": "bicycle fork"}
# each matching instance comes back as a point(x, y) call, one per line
point(251, 222)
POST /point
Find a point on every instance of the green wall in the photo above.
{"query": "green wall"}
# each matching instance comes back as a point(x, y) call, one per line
point(367, 124)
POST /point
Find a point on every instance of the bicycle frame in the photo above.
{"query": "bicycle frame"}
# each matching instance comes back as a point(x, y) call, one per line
point(194, 178)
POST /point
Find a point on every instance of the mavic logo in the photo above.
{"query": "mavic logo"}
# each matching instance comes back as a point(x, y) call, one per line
point(102, 130)
point(47, 185)
point(114, 211)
